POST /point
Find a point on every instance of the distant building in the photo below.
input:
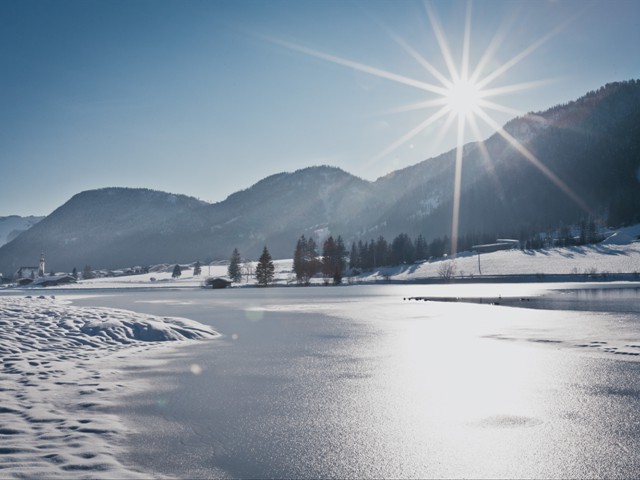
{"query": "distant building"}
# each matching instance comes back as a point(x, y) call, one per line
point(27, 272)
point(500, 244)
point(216, 283)
point(41, 270)
point(32, 272)
point(54, 280)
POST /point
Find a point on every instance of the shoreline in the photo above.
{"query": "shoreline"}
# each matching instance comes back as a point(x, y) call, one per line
point(62, 373)
point(550, 278)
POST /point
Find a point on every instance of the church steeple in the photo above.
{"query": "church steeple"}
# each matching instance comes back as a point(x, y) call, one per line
point(41, 269)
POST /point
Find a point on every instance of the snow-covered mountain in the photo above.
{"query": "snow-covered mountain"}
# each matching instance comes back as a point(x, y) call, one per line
point(587, 164)
point(14, 225)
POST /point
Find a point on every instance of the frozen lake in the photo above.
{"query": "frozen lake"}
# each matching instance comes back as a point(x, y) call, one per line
point(358, 382)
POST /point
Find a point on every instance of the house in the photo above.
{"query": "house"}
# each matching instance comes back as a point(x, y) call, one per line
point(54, 280)
point(216, 283)
point(27, 272)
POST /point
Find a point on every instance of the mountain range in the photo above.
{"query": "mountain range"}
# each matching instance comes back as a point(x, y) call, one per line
point(582, 161)
point(14, 225)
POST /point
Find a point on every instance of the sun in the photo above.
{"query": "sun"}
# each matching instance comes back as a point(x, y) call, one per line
point(457, 93)
point(463, 97)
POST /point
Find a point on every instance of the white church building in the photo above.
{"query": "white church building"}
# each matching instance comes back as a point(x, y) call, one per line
point(32, 272)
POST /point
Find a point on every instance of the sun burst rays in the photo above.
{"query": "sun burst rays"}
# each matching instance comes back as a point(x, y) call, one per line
point(461, 95)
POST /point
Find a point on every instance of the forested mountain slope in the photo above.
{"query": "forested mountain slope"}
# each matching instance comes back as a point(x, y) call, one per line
point(591, 147)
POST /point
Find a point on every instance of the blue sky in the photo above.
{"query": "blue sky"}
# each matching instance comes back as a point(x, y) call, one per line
point(207, 97)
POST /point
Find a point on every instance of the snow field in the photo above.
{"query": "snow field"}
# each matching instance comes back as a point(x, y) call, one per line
point(59, 374)
point(599, 258)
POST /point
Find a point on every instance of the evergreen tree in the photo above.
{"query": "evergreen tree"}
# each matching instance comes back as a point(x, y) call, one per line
point(328, 256)
point(402, 250)
point(381, 252)
point(437, 248)
point(592, 232)
point(197, 269)
point(235, 271)
point(305, 260)
point(313, 264)
point(354, 258)
point(341, 253)
point(565, 238)
point(333, 253)
point(87, 273)
point(265, 269)
point(176, 271)
point(298, 258)
point(368, 255)
point(421, 248)
point(583, 233)
point(74, 273)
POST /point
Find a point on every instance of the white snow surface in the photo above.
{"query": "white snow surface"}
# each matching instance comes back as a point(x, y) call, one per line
point(596, 259)
point(60, 373)
point(619, 253)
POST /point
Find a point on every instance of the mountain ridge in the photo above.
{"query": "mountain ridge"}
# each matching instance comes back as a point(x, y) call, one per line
point(590, 144)
point(13, 225)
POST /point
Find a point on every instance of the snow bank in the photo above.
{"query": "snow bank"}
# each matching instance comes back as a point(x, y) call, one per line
point(624, 236)
point(58, 377)
point(598, 258)
point(621, 256)
point(619, 253)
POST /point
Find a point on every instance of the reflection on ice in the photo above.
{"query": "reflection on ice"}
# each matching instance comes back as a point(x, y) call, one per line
point(254, 313)
point(354, 382)
point(474, 378)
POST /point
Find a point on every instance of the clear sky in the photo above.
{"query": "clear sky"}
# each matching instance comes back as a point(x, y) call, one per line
point(205, 98)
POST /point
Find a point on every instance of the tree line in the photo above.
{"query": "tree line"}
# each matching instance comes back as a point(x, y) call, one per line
point(333, 259)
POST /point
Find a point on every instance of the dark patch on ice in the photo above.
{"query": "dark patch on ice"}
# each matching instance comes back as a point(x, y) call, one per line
point(84, 468)
point(10, 431)
point(500, 337)
point(531, 340)
point(8, 410)
point(54, 458)
point(610, 390)
point(86, 455)
point(509, 421)
point(13, 450)
point(99, 431)
point(354, 376)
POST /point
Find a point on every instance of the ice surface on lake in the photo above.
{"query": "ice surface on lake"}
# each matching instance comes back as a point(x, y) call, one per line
point(355, 382)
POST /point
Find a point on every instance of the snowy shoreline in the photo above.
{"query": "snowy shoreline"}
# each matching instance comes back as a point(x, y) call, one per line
point(615, 259)
point(60, 374)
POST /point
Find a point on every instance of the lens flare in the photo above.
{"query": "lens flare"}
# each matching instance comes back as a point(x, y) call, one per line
point(463, 97)
point(460, 96)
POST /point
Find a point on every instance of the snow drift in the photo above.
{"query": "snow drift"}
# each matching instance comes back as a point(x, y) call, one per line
point(58, 377)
